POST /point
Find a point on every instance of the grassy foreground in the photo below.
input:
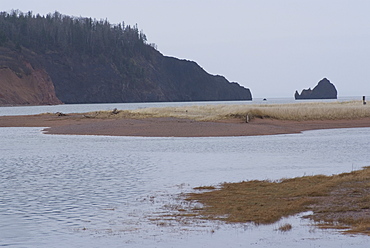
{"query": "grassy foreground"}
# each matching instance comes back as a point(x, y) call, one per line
point(296, 111)
point(339, 201)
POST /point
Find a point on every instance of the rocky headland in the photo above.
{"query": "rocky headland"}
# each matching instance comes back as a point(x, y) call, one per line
point(61, 59)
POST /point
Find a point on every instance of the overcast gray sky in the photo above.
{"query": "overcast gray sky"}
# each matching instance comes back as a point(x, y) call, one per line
point(273, 47)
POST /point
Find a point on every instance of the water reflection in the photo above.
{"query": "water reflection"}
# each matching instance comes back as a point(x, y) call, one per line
point(93, 191)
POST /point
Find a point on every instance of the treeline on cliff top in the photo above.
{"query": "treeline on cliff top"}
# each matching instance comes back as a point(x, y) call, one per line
point(70, 34)
point(86, 36)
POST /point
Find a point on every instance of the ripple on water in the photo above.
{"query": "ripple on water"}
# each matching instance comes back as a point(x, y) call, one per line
point(91, 191)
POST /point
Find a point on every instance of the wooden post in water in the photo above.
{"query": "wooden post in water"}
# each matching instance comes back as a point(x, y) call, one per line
point(363, 100)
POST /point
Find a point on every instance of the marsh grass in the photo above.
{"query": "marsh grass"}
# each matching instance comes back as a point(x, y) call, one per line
point(285, 228)
point(296, 111)
point(338, 201)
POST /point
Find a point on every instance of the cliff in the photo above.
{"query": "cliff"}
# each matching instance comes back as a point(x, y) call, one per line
point(21, 84)
point(65, 59)
point(156, 78)
point(323, 90)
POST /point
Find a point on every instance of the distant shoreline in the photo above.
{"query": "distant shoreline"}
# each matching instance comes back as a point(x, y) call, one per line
point(80, 124)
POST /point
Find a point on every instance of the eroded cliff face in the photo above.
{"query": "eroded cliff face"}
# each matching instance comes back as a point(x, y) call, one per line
point(21, 83)
point(33, 89)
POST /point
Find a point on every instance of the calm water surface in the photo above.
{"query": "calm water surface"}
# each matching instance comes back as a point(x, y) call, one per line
point(97, 191)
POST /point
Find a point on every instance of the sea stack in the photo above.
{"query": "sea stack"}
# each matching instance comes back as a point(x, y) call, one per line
point(323, 90)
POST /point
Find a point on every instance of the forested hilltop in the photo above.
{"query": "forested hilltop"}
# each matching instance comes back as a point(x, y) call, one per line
point(83, 60)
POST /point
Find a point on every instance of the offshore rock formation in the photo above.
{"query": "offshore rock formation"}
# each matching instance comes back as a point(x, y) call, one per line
point(323, 90)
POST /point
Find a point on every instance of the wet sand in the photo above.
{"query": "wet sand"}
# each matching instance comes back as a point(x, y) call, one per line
point(78, 124)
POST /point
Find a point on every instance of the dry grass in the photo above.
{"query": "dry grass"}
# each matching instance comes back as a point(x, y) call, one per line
point(297, 111)
point(285, 227)
point(338, 201)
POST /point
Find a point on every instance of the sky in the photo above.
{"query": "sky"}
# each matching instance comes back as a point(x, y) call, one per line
point(272, 47)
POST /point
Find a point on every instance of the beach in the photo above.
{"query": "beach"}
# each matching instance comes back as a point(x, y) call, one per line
point(80, 124)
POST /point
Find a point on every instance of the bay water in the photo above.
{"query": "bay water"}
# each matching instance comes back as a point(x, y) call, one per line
point(97, 191)
point(100, 191)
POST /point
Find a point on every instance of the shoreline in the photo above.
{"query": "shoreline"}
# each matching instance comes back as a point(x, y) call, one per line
point(79, 124)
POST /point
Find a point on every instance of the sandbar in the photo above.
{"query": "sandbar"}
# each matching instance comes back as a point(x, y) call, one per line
point(79, 124)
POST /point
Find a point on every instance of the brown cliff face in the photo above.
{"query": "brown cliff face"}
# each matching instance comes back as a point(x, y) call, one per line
point(21, 84)
point(33, 89)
